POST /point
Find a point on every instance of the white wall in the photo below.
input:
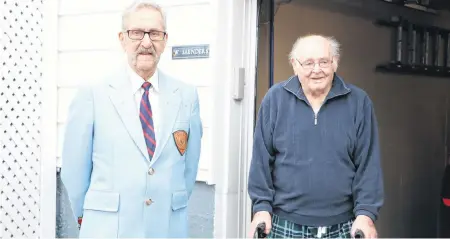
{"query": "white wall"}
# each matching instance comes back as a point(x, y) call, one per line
point(88, 47)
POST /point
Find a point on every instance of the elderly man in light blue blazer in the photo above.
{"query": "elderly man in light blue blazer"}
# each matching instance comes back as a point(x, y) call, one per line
point(132, 142)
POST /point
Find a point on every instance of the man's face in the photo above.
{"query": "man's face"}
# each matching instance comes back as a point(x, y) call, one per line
point(144, 54)
point(315, 66)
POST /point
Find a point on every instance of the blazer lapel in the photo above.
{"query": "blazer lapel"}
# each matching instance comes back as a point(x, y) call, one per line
point(122, 98)
point(170, 101)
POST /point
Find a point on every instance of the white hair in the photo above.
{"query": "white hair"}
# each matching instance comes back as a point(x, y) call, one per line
point(141, 4)
point(335, 46)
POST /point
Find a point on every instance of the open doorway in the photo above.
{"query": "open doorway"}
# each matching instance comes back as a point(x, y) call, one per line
point(411, 108)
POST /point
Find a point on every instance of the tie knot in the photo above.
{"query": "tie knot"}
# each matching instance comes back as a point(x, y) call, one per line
point(146, 85)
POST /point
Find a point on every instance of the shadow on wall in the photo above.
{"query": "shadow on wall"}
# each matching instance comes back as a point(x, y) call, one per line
point(201, 212)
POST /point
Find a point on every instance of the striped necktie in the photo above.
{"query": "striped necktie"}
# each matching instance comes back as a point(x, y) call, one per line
point(146, 116)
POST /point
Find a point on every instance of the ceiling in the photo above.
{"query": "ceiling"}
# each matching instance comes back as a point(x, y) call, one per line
point(440, 4)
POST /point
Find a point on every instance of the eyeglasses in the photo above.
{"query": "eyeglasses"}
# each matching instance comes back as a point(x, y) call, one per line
point(139, 35)
point(323, 63)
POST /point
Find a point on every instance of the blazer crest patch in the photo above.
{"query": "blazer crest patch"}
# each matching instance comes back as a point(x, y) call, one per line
point(181, 139)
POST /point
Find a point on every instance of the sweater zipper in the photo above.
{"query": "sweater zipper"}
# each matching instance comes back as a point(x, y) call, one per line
point(315, 114)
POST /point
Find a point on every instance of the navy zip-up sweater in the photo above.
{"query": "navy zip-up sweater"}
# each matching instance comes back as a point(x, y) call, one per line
point(316, 170)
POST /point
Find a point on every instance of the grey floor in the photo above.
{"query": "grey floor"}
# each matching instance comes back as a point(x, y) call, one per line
point(201, 213)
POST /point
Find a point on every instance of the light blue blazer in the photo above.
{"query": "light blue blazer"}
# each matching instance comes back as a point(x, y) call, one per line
point(105, 165)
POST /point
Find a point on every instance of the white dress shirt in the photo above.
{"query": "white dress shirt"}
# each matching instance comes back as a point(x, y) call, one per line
point(153, 94)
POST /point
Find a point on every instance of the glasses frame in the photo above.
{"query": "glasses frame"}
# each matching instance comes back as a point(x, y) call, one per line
point(148, 33)
point(316, 63)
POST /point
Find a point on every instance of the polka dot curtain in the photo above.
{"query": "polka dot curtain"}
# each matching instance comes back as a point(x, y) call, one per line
point(20, 111)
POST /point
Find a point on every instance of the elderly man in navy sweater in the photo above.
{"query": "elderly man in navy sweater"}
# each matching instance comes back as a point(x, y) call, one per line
point(315, 170)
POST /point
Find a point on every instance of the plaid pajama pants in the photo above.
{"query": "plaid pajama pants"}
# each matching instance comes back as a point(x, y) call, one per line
point(282, 228)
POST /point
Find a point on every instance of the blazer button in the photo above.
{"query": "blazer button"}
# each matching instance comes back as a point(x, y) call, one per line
point(148, 202)
point(151, 171)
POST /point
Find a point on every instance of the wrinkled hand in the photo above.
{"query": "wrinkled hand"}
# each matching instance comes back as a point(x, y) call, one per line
point(259, 217)
point(365, 224)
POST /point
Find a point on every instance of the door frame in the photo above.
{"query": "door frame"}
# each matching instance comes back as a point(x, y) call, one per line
point(250, 61)
point(234, 51)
